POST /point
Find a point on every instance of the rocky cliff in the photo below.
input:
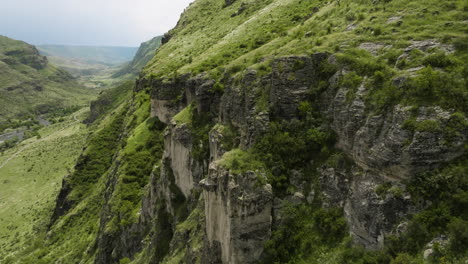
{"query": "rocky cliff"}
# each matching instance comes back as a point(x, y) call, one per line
point(382, 151)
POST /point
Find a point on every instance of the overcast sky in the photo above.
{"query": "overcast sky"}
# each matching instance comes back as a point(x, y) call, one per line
point(88, 22)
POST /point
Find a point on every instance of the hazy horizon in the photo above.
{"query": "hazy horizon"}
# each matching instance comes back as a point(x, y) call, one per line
point(104, 23)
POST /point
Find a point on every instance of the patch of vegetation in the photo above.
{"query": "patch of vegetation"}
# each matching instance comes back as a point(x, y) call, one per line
point(108, 100)
point(238, 161)
point(8, 144)
point(200, 126)
point(447, 190)
point(184, 116)
point(141, 152)
point(287, 146)
point(97, 158)
point(431, 126)
point(430, 87)
point(351, 81)
point(229, 136)
point(304, 232)
point(361, 61)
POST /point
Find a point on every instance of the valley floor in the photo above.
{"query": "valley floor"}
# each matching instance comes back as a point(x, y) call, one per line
point(30, 178)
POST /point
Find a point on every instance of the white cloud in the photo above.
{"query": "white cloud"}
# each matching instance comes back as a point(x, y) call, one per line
point(88, 22)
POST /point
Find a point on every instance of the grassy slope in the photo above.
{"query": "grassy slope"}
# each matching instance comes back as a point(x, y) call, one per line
point(28, 82)
point(144, 54)
point(31, 176)
point(207, 37)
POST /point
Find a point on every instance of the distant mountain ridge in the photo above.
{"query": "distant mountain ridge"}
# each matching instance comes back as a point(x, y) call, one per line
point(91, 54)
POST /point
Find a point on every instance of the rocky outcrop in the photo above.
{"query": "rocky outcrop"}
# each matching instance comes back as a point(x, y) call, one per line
point(29, 55)
point(228, 2)
point(62, 204)
point(239, 107)
point(380, 142)
point(371, 215)
point(383, 149)
point(168, 97)
point(238, 216)
point(178, 149)
point(249, 104)
point(291, 80)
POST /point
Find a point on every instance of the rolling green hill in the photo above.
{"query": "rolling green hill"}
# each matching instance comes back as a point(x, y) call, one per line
point(30, 85)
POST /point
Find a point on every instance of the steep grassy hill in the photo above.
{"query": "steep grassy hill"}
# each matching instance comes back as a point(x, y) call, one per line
point(30, 85)
point(279, 131)
point(144, 54)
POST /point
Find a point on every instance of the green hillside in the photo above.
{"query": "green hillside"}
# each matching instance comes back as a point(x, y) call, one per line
point(31, 175)
point(144, 54)
point(213, 37)
point(30, 85)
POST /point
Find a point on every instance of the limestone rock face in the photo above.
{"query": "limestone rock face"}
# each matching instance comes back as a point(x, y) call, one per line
point(164, 109)
point(238, 107)
point(178, 149)
point(238, 215)
point(380, 142)
point(369, 216)
point(291, 79)
point(383, 150)
point(170, 96)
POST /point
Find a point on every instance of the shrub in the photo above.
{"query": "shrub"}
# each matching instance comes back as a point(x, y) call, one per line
point(438, 59)
point(461, 44)
point(382, 189)
point(412, 125)
point(124, 261)
point(239, 161)
point(303, 232)
point(433, 87)
point(403, 258)
point(285, 146)
point(458, 234)
point(331, 224)
point(361, 61)
point(351, 81)
point(377, 31)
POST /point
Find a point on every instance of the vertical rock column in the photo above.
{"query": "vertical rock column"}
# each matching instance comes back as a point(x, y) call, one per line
point(238, 215)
